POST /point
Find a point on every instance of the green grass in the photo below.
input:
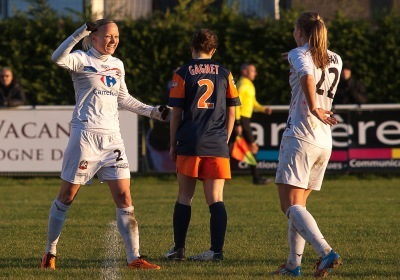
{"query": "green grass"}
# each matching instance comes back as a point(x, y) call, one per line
point(358, 215)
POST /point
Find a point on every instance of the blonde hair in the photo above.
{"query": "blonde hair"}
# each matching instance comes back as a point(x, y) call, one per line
point(314, 28)
point(87, 41)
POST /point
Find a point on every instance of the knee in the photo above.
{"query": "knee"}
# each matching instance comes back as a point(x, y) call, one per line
point(185, 200)
point(123, 200)
point(66, 198)
point(68, 192)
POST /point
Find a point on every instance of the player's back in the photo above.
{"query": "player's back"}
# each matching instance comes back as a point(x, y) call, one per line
point(201, 88)
point(301, 123)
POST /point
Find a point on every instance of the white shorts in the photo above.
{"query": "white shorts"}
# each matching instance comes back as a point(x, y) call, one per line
point(301, 164)
point(88, 153)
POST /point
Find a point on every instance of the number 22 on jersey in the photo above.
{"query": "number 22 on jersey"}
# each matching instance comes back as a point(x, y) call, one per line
point(320, 91)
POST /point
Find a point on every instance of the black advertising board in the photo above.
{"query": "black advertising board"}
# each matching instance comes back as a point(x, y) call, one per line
point(367, 139)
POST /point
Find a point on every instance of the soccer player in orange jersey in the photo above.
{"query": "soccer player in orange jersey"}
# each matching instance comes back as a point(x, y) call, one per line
point(203, 96)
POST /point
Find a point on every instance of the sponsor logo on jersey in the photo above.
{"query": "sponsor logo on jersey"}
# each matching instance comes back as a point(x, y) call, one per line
point(108, 81)
point(89, 69)
point(104, 92)
point(83, 165)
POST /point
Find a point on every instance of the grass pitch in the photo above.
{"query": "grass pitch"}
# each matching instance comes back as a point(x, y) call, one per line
point(359, 216)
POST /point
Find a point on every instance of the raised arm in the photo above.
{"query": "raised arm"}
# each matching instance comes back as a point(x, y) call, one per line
point(62, 56)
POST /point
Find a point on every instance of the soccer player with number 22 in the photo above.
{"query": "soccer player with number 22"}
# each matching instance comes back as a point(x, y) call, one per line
point(306, 144)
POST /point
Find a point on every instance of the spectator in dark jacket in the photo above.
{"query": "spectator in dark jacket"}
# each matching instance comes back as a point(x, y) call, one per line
point(11, 93)
point(350, 90)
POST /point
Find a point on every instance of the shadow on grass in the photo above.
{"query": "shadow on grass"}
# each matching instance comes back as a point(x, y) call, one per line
point(60, 263)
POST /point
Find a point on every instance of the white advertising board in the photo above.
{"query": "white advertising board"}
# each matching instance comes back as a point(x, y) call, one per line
point(33, 140)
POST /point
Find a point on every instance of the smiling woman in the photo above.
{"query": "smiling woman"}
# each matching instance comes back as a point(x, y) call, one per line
point(95, 144)
point(104, 36)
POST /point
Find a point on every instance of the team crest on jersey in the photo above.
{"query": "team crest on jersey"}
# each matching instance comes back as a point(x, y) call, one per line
point(108, 81)
point(83, 165)
point(89, 69)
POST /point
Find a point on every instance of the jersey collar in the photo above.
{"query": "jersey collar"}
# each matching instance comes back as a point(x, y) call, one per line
point(96, 54)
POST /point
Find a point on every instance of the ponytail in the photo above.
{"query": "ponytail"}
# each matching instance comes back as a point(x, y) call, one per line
point(313, 26)
point(87, 43)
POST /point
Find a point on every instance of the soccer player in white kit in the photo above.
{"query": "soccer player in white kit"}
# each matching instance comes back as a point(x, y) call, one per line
point(95, 144)
point(307, 141)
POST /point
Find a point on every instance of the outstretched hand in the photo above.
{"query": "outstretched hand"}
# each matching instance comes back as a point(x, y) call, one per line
point(161, 113)
point(324, 116)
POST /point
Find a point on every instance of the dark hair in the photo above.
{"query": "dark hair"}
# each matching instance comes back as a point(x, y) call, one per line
point(245, 65)
point(204, 40)
point(314, 28)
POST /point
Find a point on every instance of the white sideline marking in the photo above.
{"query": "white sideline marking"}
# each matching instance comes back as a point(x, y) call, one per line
point(110, 269)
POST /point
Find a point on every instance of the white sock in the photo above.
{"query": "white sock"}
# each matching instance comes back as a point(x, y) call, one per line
point(128, 228)
point(307, 227)
point(296, 245)
point(57, 216)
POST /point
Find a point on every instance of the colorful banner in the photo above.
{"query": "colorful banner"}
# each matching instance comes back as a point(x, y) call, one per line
point(367, 139)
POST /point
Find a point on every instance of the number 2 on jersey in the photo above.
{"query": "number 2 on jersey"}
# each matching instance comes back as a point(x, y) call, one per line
point(321, 81)
point(202, 103)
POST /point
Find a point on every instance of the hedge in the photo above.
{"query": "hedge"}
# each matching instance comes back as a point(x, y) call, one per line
point(150, 48)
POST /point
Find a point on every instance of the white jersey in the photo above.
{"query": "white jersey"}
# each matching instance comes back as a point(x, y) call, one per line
point(301, 123)
point(99, 83)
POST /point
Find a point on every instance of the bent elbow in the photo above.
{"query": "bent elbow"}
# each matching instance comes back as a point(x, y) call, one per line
point(55, 58)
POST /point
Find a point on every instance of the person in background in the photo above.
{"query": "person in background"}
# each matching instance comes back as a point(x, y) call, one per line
point(306, 144)
point(350, 90)
point(247, 96)
point(11, 92)
point(203, 96)
point(95, 145)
